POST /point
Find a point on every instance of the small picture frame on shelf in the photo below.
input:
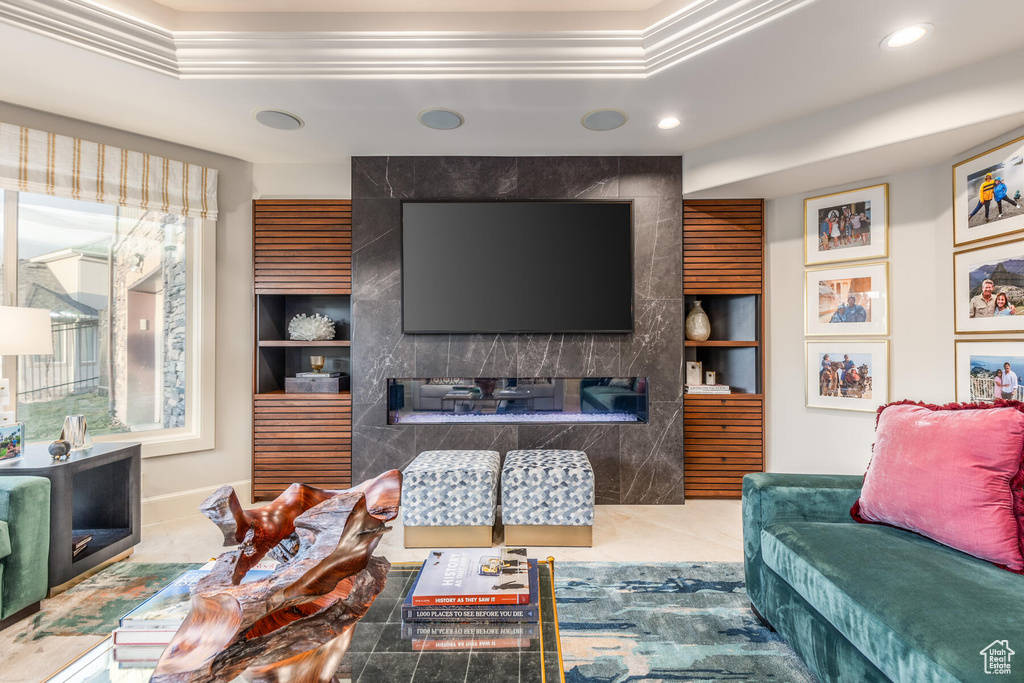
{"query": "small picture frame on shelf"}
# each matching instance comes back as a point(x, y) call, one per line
point(12, 442)
point(847, 375)
point(989, 369)
point(987, 292)
point(847, 300)
point(847, 226)
point(987, 194)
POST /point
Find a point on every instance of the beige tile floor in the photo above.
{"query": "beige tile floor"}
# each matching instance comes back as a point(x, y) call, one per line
point(700, 531)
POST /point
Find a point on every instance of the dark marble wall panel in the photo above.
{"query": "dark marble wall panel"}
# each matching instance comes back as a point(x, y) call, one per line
point(501, 438)
point(465, 177)
point(633, 464)
point(655, 349)
point(568, 178)
point(382, 177)
point(569, 355)
point(658, 228)
point(651, 177)
point(599, 442)
point(376, 250)
point(466, 355)
point(651, 458)
point(379, 349)
point(381, 447)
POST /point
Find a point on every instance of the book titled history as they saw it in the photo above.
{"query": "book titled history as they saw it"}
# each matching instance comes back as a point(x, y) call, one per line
point(472, 577)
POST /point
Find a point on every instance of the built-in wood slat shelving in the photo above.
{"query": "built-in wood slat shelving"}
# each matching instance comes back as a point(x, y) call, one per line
point(723, 265)
point(302, 252)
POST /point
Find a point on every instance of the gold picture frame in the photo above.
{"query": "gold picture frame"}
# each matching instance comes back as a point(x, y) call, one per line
point(870, 204)
point(876, 272)
point(975, 263)
point(1005, 161)
point(874, 381)
point(971, 380)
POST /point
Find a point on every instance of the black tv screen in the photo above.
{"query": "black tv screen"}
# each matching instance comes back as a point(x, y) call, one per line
point(517, 266)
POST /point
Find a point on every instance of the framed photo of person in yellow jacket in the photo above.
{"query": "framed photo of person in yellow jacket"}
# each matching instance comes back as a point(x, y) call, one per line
point(988, 194)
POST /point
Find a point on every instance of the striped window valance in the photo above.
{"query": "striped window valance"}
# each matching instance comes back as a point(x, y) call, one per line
point(46, 163)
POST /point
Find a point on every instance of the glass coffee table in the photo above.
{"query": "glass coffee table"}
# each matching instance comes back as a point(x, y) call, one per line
point(383, 652)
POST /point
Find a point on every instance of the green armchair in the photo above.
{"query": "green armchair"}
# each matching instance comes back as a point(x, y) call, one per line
point(24, 545)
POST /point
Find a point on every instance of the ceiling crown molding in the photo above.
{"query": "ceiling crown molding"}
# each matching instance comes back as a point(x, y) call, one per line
point(692, 30)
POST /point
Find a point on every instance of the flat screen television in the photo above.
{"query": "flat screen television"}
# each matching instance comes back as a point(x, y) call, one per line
point(517, 266)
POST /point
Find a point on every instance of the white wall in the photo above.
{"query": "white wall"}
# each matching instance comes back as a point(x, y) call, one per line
point(173, 485)
point(302, 181)
point(813, 440)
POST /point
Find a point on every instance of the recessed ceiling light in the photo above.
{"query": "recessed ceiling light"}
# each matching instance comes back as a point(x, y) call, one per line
point(440, 119)
point(906, 36)
point(275, 118)
point(668, 123)
point(604, 119)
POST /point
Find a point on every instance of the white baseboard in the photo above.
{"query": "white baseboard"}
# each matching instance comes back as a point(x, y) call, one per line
point(185, 503)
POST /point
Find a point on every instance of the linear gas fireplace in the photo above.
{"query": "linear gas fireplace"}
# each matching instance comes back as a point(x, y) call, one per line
point(517, 400)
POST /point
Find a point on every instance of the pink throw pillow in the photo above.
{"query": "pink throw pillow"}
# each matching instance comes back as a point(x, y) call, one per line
point(952, 473)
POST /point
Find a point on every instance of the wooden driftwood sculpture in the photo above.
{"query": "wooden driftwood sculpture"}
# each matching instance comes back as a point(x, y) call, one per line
point(296, 624)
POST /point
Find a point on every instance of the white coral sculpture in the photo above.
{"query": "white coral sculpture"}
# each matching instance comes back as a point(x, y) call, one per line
point(311, 328)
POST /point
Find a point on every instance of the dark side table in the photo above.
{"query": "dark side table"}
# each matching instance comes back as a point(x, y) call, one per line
point(96, 491)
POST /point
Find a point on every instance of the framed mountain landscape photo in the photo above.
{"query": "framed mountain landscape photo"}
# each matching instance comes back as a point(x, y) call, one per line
point(987, 194)
point(988, 288)
point(847, 226)
point(847, 300)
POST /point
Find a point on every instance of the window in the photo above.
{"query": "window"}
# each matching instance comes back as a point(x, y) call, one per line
point(124, 291)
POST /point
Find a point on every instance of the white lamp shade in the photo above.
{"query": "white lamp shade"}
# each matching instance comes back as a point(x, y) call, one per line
point(25, 331)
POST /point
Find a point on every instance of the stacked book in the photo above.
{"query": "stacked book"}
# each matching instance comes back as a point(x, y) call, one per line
point(708, 389)
point(143, 633)
point(78, 543)
point(464, 599)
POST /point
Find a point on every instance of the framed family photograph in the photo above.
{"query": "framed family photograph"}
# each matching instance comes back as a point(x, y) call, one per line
point(847, 375)
point(847, 300)
point(12, 440)
point(987, 191)
point(847, 226)
point(988, 288)
point(987, 370)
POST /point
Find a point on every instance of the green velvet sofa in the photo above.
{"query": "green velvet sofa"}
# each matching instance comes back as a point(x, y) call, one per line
point(24, 545)
point(864, 602)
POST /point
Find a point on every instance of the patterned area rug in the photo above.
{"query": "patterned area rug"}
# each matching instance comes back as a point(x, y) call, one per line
point(94, 606)
point(623, 622)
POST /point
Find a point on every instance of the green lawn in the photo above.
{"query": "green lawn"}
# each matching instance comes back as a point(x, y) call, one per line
point(43, 420)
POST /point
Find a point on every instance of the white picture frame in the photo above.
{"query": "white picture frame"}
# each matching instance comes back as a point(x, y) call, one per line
point(1005, 161)
point(859, 232)
point(976, 363)
point(827, 293)
point(971, 267)
point(867, 394)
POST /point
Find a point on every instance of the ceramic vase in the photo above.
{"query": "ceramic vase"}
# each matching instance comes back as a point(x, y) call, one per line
point(698, 327)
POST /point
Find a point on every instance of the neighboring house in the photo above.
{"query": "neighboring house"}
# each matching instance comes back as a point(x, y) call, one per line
point(75, 365)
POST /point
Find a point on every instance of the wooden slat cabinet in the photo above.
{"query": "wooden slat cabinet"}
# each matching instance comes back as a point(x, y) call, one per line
point(302, 263)
point(723, 246)
point(723, 439)
point(723, 267)
point(301, 438)
point(302, 246)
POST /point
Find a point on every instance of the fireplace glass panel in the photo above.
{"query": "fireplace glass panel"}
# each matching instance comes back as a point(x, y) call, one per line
point(517, 400)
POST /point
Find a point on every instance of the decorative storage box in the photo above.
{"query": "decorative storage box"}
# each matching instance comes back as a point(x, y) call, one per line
point(312, 385)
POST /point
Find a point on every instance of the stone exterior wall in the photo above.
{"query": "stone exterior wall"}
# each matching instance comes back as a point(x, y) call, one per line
point(147, 238)
point(633, 464)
